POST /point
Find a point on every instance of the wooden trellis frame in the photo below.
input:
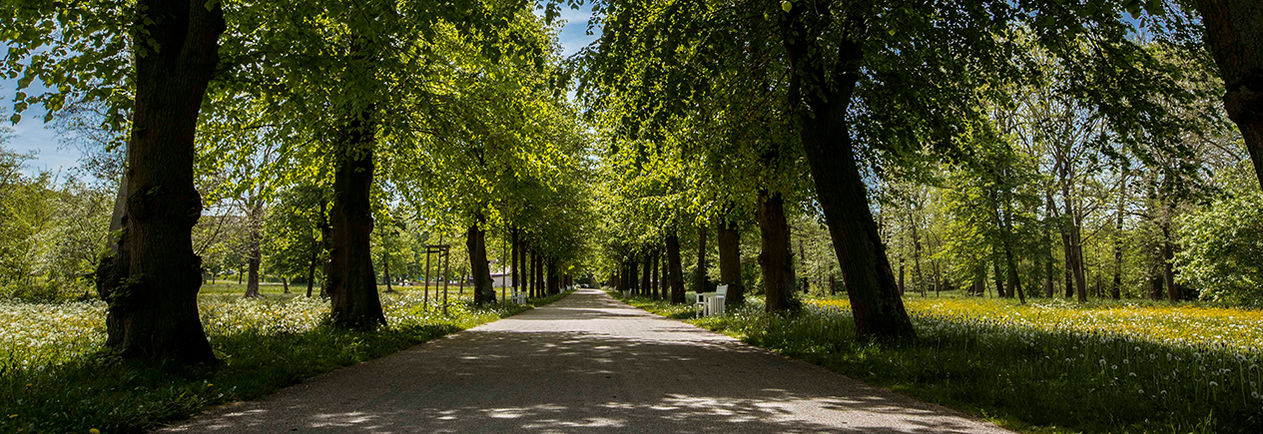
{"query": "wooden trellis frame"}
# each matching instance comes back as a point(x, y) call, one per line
point(443, 259)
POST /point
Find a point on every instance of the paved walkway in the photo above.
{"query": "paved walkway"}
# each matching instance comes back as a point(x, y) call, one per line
point(585, 363)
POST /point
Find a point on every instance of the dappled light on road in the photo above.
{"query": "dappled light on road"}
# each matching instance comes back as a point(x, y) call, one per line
point(586, 363)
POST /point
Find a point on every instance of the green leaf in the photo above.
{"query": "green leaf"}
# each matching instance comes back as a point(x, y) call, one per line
point(786, 5)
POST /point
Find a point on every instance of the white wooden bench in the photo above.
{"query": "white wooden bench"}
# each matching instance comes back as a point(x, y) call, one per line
point(711, 303)
point(519, 297)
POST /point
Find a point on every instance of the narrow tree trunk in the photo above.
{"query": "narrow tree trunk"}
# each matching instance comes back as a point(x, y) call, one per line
point(1048, 274)
point(699, 275)
point(151, 281)
point(386, 269)
point(311, 273)
point(1117, 284)
point(802, 266)
point(252, 279)
point(1074, 255)
point(515, 259)
point(1234, 34)
point(476, 244)
point(351, 282)
point(1015, 283)
point(1006, 232)
point(729, 239)
point(326, 243)
point(646, 276)
point(916, 259)
point(903, 288)
point(1168, 268)
point(1050, 214)
point(554, 280)
point(537, 267)
point(1080, 276)
point(253, 253)
point(999, 279)
point(285, 283)
point(675, 271)
point(656, 281)
point(775, 260)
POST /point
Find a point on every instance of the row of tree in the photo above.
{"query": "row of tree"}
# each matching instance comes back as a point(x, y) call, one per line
point(342, 121)
point(982, 131)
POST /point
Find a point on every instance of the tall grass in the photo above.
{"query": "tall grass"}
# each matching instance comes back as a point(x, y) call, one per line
point(1049, 366)
point(55, 377)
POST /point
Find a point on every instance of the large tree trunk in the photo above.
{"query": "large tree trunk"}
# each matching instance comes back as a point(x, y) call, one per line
point(699, 274)
point(351, 282)
point(476, 243)
point(152, 279)
point(775, 260)
point(1234, 33)
point(729, 240)
point(675, 271)
point(820, 97)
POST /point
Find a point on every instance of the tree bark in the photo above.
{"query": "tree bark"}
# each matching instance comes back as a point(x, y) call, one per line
point(352, 284)
point(729, 240)
point(285, 283)
point(1234, 34)
point(775, 260)
point(699, 274)
point(675, 271)
point(254, 256)
point(311, 273)
point(151, 281)
point(554, 279)
point(537, 267)
point(656, 280)
point(476, 245)
point(386, 269)
point(820, 98)
point(252, 277)
point(1168, 267)
point(916, 259)
point(999, 279)
point(1050, 211)
point(645, 276)
point(514, 269)
point(1117, 284)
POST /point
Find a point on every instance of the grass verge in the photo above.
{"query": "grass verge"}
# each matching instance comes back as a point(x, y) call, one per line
point(60, 381)
point(1050, 371)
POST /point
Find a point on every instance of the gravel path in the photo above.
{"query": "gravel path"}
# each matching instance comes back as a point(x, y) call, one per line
point(585, 363)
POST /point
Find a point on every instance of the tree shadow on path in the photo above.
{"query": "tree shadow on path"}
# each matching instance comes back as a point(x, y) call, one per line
point(587, 364)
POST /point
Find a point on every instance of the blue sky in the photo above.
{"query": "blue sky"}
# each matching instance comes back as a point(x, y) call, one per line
point(32, 136)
